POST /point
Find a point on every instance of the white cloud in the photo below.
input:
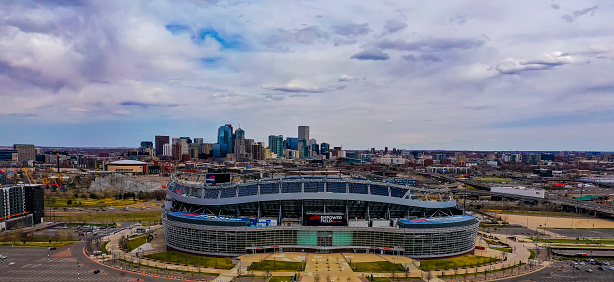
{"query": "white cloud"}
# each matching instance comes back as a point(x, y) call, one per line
point(293, 86)
point(546, 61)
point(478, 72)
point(345, 77)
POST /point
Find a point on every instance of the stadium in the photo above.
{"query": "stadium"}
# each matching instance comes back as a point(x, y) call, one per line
point(315, 214)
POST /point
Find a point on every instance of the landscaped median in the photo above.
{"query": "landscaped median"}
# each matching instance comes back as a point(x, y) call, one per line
point(377, 267)
point(18, 238)
point(275, 265)
point(510, 268)
point(137, 241)
point(166, 269)
point(455, 263)
point(191, 260)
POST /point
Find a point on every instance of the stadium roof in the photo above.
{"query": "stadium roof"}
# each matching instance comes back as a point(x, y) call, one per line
point(210, 217)
point(447, 219)
point(127, 162)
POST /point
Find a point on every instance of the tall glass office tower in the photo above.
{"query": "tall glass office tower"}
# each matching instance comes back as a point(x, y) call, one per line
point(276, 144)
point(224, 137)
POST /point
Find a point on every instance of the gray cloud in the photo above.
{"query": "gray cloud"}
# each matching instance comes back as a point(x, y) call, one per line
point(392, 26)
point(424, 57)
point(371, 54)
point(606, 88)
point(567, 18)
point(31, 77)
point(555, 6)
point(547, 61)
point(340, 40)
point(435, 44)
point(584, 11)
point(352, 30)
point(146, 105)
point(299, 87)
point(577, 13)
point(306, 35)
point(20, 115)
point(458, 19)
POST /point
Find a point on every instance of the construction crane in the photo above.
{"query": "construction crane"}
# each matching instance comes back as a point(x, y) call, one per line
point(29, 176)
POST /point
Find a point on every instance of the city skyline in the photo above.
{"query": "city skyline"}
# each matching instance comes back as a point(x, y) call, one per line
point(408, 75)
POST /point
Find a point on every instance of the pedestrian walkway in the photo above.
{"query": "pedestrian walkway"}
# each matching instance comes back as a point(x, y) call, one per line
point(520, 254)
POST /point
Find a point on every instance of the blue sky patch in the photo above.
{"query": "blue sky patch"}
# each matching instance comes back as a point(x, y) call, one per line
point(227, 41)
point(177, 28)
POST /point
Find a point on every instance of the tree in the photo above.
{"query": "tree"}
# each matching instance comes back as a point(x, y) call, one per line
point(69, 202)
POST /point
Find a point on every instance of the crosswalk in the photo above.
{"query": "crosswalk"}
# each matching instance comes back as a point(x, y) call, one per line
point(57, 260)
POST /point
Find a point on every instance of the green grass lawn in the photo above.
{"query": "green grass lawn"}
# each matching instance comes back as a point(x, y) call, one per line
point(506, 250)
point(104, 248)
point(377, 266)
point(280, 278)
point(109, 217)
point(137, 242)
point(182, 258)
point(275, 265)
point(56, 244)
point(458, 262)
point(533, 254)
point(57, 202)
point(90, 224)
point(574, 241)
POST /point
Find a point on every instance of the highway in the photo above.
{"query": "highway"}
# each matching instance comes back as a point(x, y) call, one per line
point(484, 190)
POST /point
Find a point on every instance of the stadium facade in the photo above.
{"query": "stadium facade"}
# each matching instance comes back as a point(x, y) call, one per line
point(315, 214)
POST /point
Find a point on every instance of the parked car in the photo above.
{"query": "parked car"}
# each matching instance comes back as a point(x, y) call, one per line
point(12, 263)
point(589, 270)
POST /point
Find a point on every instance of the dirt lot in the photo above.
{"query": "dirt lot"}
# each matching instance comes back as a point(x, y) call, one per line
point(557, 222)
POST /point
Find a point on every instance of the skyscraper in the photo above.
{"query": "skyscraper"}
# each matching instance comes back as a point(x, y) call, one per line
point(303, 132)
point(160, 141)
point(324, 147)
point(239, 145)
point(167, 150)
point(276, 144)
point(224, 138)
point(303, 141)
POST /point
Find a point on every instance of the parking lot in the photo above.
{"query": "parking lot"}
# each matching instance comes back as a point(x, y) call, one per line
point(40, 264)
point(562, 271)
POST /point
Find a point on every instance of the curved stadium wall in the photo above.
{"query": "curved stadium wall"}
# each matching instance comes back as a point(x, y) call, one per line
point(214, 220)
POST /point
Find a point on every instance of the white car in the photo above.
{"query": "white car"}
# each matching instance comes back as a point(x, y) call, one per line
point(11, 263)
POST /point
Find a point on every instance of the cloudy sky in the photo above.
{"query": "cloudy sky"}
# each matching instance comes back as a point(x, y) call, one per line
point(487, 75)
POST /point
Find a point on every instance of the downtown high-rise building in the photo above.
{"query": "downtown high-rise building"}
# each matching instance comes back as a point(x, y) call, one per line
point(25, 152)
point(167, 150)
point(239, 145)
point(303, 132)
point(224, 141)
point(276, 145)
point(159, 142)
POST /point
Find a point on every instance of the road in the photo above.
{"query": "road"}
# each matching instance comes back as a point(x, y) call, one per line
point(40, 264)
